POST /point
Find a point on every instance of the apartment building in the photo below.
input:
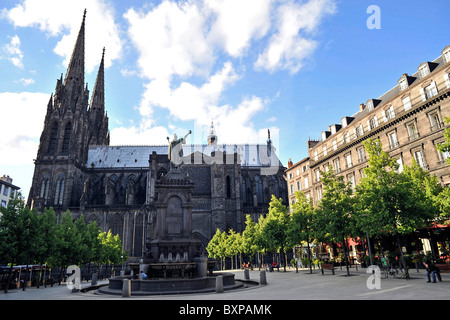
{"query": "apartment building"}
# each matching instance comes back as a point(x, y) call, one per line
point(408, 120)
point(7, 190)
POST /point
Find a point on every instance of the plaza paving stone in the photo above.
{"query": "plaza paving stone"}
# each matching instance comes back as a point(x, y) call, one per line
point(289, 285)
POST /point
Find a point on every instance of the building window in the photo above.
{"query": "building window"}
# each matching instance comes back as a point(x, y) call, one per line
point(393, 142)
point(306, 183)
point(334, 145)
point(53, 141)
point(407, 103)
point(424, 71)
point(361, 155)
point(324, 151)
point(389, 113)
point(244, 191)
point(351, 180)
point(403, 84)
point(348, 160)
point(431, 90)
point(347, 137)
point(372, 123)
point(359, 131)
point(337, 167)
point(443, 156)
point(418, 156)
point(319, 193)
point(446, 55)
point(299, 185)
point(435, 124)
point(370, 105)
point(59, 190)
point(4, 203)
point(5, 191)
point(447, 79)
point(400, 165)
point(66, 139)
point(412, 131)
point(45, 184)
point(259, 191)
point(317, 175)
point(292, 188)
point(315, 156)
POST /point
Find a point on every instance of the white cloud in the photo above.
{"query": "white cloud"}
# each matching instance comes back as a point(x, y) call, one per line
point(14, 53)
point(23, 117)
point(289, 46)
point(63, 18)
point(170, 40)
point(22, 122)
point(139, 136)
point(188, 52)
point(237, 22)
point(26, 82)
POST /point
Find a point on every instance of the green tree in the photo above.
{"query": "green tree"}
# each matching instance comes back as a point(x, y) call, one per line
point(443, 199)
point(217, 246)
point(47, 237)
point(274, 227)
point(300, 228)
point(249, 237)
point(19, 234)
point(335, 210)
point(390, 202)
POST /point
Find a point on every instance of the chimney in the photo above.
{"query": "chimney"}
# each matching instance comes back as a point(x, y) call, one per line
point(362, 106)
point(290, 164)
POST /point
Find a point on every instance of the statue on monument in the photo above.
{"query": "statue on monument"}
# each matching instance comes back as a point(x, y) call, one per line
point(175, 147)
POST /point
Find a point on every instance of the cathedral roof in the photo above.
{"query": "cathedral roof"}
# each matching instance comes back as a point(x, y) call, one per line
point(103, 157)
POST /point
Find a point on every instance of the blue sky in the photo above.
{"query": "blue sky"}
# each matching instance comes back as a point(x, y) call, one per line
point(294, 67)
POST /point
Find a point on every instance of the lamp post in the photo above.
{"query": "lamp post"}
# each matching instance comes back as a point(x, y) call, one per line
point(121, 271)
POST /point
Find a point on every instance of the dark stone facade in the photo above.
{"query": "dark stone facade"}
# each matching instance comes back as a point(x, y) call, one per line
point(77, 170)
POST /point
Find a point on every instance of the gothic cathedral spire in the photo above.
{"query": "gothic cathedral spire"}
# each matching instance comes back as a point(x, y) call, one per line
point(98, 120)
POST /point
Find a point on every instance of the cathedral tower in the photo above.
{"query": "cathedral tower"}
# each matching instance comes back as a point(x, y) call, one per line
point(70, 126)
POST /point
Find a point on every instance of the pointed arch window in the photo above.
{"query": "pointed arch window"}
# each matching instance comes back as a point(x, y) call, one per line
point(244, 191)
point(53, 141)
point(66, 139)
point(59, 191)
point(228, 187)
point(45, 184)
point(259, 191)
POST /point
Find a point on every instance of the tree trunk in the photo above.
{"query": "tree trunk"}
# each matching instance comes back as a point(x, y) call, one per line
point(402, 257)
point(309, 258)
point(344, 243)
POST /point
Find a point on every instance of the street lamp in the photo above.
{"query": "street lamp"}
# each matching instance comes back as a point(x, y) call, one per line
point(121, 272)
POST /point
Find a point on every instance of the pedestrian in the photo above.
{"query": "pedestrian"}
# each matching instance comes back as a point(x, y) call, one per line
point(143, 275)
point(431, 270)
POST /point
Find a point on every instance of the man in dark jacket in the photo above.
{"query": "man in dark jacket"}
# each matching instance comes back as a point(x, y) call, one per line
point(431, 269)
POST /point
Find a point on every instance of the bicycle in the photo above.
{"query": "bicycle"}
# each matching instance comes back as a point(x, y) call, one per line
point(395, 272)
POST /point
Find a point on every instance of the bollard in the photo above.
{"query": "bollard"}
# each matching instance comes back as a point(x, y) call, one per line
point(262, 277)
point(126, 288)
point(219, 284)
point(94, 279)
point(246, 274)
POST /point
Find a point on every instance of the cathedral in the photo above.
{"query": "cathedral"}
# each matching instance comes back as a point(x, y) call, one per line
point(76, 169)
